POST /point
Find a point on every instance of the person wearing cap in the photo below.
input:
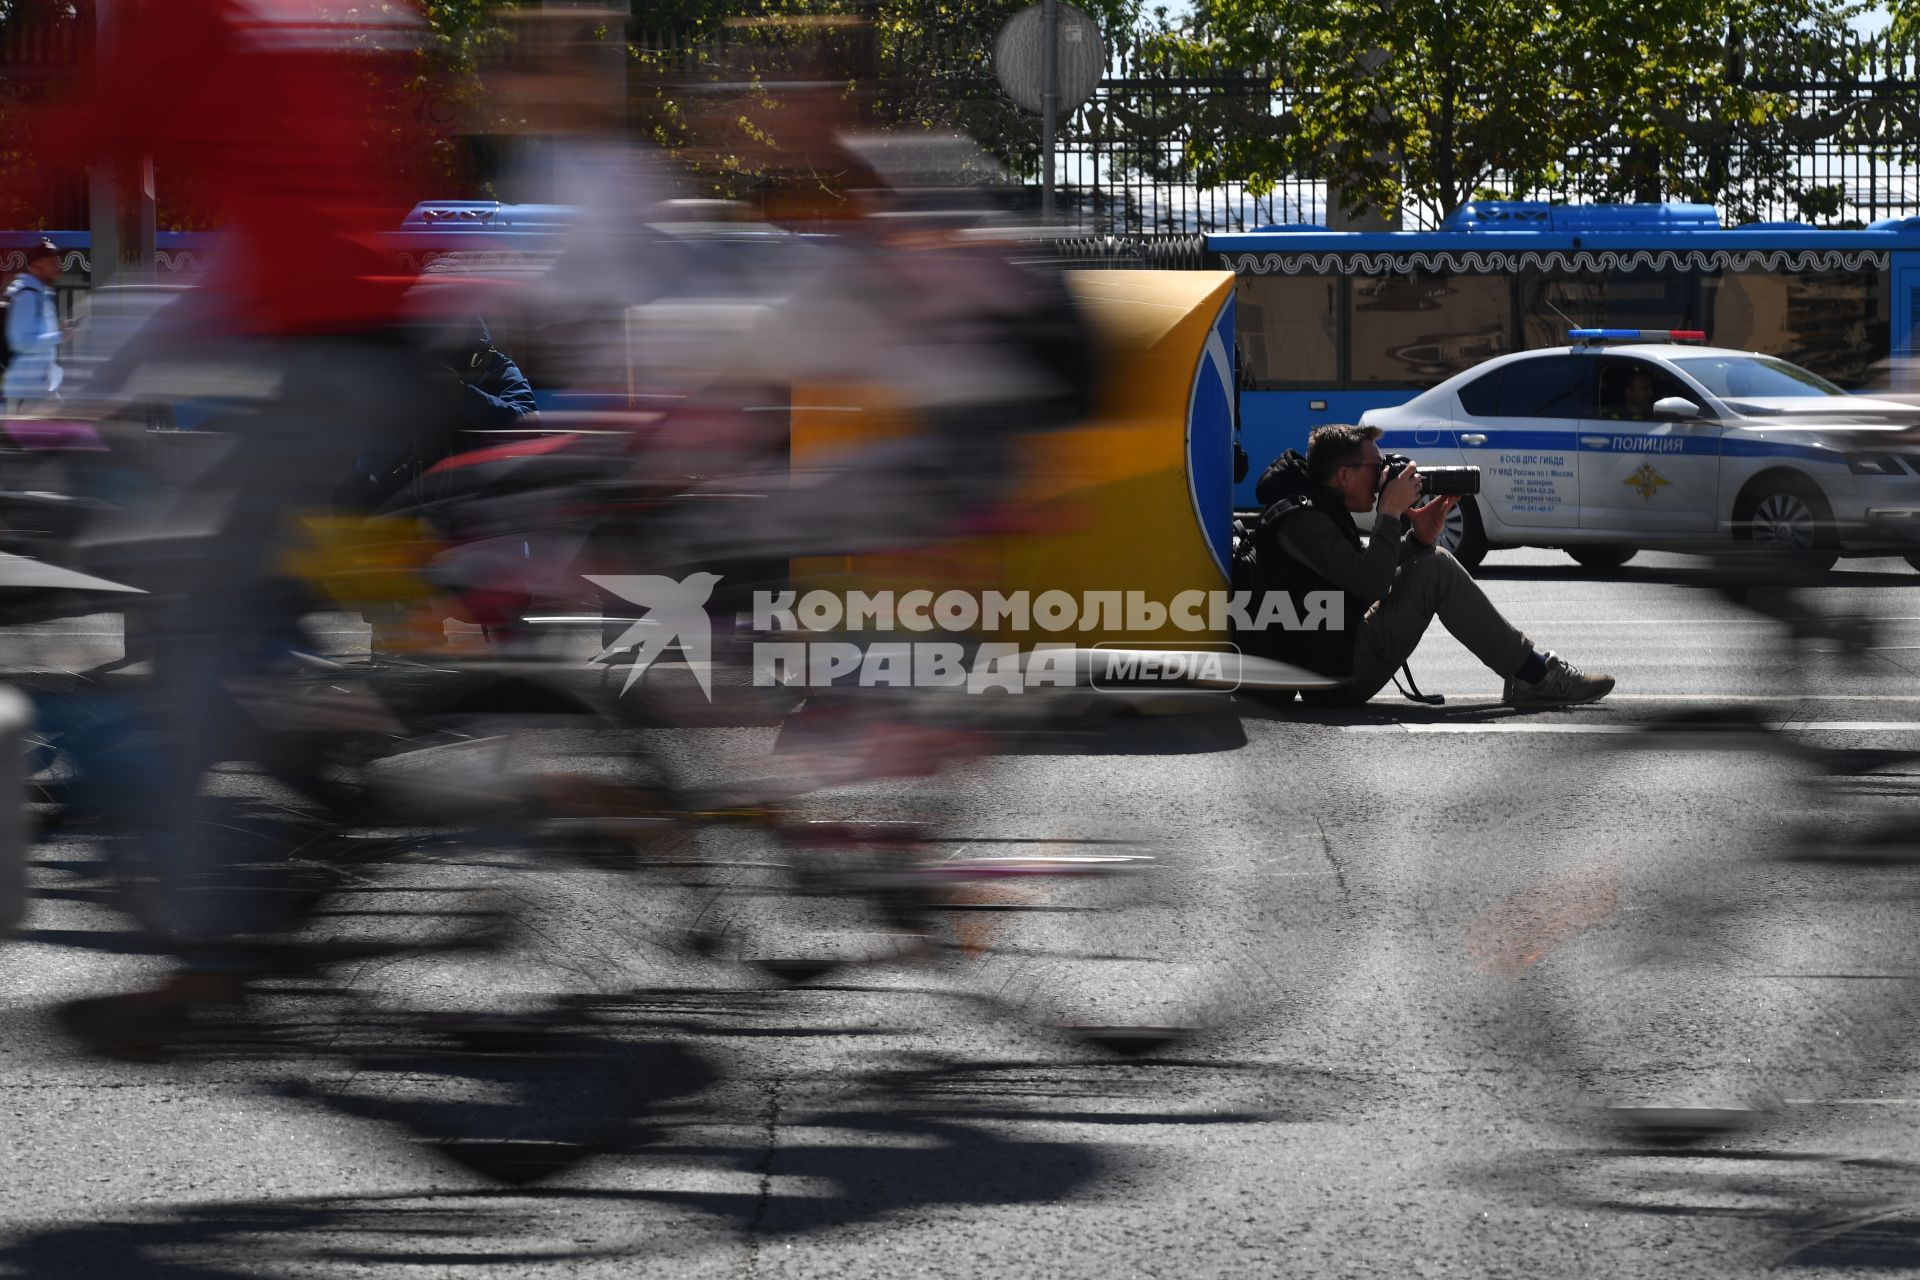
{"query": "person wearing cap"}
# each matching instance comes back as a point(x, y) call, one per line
point(493, 394)
point(34, 332)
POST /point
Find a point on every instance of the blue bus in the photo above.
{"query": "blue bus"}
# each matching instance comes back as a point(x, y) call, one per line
point(1333, 323)
point(482, 233)
point(470, 235)
point(178, 255)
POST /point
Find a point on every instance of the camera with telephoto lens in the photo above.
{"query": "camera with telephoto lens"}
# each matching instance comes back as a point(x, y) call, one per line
point(1435, 482)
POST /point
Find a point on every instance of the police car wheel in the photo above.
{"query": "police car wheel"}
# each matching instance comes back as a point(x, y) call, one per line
point(1464, 535)
point(1602, 557)
point(1787, 516)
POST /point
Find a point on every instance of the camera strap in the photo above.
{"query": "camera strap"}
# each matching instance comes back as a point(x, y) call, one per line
point(1425, 699)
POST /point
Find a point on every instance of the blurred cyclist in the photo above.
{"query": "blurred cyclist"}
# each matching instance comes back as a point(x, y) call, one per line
point(282, 120)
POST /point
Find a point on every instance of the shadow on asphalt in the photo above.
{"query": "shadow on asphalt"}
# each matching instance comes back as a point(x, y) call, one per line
point(1198, 729)
point(1782, 1208)
point(932, 1134)
point(1132, 734)
point(1382, 713)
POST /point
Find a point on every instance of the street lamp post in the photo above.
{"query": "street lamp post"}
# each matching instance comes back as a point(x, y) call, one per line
point(1049, 103)
point(103, 186)
point(103, 192)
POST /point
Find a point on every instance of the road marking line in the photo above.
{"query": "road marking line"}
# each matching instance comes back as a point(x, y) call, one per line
point(1763, 697)
point(1680, 622)
point(1488, 700)
point(1492, 728)
point(1790, 726)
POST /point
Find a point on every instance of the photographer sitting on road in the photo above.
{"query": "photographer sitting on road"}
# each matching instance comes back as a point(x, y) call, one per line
point(1307, 541)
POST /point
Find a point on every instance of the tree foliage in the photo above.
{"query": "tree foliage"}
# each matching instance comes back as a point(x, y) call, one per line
point(1436, 101)
point(897, 64)
point(1904, 16)
point(1397, 103)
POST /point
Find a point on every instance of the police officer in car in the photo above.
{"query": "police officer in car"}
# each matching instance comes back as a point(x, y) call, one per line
point(1391, 586)
point(1629, 395)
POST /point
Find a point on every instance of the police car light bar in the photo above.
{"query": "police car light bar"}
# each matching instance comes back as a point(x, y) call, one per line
point(1637, 335)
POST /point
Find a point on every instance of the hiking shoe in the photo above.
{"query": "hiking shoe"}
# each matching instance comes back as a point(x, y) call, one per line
point(1564, 685)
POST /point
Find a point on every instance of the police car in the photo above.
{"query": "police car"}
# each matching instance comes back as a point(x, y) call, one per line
point(1638, 438)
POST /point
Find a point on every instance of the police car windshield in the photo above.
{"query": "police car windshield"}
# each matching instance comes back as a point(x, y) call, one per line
point(1754, 377)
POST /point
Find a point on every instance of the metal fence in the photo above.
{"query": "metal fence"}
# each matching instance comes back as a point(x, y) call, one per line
point(1852, 141)
point(1125, 157)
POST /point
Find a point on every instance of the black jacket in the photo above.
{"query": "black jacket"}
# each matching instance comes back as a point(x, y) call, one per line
point(1288, 494)
point(496, 394)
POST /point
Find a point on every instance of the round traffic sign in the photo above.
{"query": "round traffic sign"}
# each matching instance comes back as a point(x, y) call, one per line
point(1020, 56)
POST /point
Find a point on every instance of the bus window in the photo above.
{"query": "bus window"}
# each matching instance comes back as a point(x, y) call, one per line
point(1414, 330)
point(1833, 323)
point(1289, 330)
point(1551, 302)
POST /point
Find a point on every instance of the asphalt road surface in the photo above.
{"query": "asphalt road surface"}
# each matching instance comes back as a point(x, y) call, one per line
point(1437, 957)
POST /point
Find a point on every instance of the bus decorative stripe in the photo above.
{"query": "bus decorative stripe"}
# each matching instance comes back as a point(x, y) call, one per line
point(188, 260)
point(75, 261)
point(71, 260)
point(472, 260)
point(1495, 262)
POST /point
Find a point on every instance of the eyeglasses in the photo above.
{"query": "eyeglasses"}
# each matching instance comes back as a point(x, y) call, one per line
point(1375, 467)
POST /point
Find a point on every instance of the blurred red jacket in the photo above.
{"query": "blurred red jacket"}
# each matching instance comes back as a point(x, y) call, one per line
point(294, 121)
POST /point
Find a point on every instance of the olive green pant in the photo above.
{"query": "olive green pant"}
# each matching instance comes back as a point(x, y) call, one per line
point(1430, 585)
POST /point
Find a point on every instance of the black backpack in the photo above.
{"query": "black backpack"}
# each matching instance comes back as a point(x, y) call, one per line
point(1247, 574)
point(1244, 566)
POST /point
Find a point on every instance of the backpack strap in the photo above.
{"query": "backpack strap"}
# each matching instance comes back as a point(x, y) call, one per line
point(1280, 510)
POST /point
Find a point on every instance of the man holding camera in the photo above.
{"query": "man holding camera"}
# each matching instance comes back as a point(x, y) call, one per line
point(1393, 586)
